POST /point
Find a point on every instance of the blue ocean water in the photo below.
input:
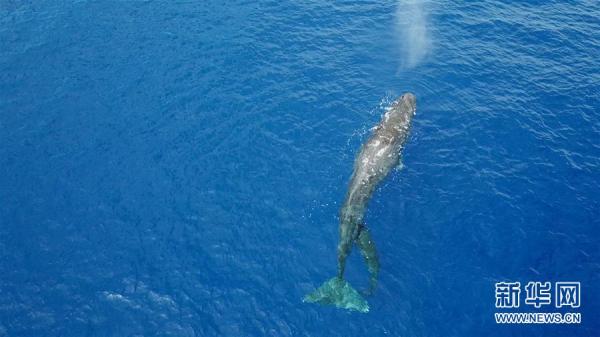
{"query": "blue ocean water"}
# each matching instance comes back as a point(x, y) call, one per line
point(176, 168)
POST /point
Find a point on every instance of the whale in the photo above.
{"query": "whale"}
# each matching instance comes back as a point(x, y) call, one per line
point(377, 157)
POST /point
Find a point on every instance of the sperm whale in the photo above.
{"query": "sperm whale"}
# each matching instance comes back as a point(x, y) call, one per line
point(376, 158)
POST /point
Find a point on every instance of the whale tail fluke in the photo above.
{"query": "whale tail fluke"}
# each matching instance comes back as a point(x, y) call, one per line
point(339, 293)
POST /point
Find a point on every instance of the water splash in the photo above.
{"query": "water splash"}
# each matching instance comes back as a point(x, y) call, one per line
point(413, 35)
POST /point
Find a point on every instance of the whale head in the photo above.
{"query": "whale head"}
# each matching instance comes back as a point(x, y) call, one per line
point(409, 101)
point(400, 114)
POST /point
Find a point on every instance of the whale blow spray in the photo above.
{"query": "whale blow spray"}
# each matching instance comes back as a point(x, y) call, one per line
point(413, 36)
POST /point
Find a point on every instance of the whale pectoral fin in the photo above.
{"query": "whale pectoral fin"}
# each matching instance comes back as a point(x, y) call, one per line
point(369, 253)
point(339, 293)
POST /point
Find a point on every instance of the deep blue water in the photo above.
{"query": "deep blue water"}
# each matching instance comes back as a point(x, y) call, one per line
point(176, 168)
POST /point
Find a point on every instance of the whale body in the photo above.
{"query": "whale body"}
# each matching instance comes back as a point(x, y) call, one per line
point(376, 158)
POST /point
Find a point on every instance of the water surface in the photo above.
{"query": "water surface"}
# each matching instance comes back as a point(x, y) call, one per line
point(176, 168)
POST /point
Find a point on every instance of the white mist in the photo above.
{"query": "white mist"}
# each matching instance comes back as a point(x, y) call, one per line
point(412, 32)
